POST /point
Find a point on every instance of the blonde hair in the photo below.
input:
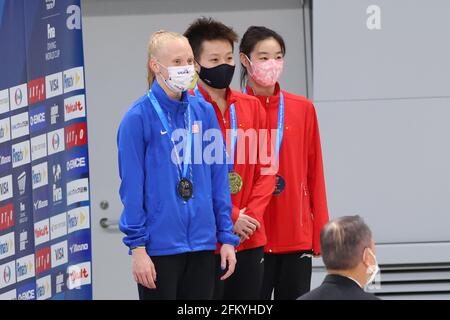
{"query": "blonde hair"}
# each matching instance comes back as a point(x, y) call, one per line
point(157, 40)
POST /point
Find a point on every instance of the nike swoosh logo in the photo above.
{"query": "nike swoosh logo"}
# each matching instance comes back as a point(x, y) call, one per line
point(163, 132)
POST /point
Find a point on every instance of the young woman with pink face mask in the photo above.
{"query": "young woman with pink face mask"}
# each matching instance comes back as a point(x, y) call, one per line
point(298, 208)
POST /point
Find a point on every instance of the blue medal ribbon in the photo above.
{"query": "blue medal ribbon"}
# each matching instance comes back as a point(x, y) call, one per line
point(233, 118)
point(162, 117)
point(280, 123)
point(280, 126)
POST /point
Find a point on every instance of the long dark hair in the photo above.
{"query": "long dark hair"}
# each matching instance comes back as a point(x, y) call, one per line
point(252, 36)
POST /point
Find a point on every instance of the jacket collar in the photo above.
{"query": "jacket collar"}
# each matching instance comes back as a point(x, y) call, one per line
point(230, 96)
point(267, 101)
point(167, 103)
point(341, 280)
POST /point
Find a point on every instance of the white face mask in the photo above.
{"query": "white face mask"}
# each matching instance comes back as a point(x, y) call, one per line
point(180, 78)
point(372, 270)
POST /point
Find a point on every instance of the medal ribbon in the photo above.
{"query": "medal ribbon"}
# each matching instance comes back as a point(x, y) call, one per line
point(280, 124)
point(162, 117)
point(230, 159)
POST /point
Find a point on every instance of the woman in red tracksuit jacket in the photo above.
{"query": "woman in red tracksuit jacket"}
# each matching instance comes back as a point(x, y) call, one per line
point(298, 209)
point(251, 186)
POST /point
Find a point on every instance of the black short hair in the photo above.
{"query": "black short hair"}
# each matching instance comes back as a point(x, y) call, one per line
point(208, 29)
point(343, 241)
point(250, 39)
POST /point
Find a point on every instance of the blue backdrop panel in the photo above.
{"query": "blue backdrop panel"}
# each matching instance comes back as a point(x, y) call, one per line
point(45, 238)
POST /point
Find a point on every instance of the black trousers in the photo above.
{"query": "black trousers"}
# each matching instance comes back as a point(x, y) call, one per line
point(184, 276)
point(288, 275)
point(246, 281)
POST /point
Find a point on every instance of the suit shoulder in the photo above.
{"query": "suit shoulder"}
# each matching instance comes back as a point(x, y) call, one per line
point(312, 295)
point(370, 296)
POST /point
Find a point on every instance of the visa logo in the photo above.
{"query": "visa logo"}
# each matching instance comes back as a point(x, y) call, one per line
point(54, 85)
point(59, 253)
point(4, 188)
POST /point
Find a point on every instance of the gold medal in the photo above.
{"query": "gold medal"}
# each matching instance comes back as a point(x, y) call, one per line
point(235, 181)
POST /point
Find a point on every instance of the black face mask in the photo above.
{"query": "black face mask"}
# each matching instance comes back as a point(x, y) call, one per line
point(218, 77)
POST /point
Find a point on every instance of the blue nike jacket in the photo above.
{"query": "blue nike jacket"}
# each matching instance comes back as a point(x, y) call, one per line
point(154, 215)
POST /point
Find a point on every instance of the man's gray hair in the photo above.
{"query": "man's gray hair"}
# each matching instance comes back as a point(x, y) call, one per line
point(342, 242)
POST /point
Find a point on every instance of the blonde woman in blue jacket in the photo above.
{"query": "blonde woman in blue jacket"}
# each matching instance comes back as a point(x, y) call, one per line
point(174, 209)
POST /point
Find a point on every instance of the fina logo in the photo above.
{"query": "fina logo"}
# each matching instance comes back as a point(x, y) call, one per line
point(57, 192)
point(56, 172)
point(18, 96)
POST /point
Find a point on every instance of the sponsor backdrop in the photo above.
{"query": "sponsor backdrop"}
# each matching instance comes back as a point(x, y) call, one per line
point(45, 240)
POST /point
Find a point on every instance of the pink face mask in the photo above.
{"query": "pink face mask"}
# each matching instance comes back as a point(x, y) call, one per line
point(266, 73)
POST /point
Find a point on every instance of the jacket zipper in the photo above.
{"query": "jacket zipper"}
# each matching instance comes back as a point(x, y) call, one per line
point(188, 225)
point(301, 206)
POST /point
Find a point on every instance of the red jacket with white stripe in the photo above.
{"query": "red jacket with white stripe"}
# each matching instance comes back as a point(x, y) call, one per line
point(257, 188)
point(294, 218)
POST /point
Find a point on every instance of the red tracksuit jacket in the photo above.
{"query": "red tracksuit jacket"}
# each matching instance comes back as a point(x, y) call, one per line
point(294, 218)
point(257, 189)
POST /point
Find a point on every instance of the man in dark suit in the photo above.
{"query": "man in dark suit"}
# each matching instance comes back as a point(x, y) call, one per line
point(348, 252)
